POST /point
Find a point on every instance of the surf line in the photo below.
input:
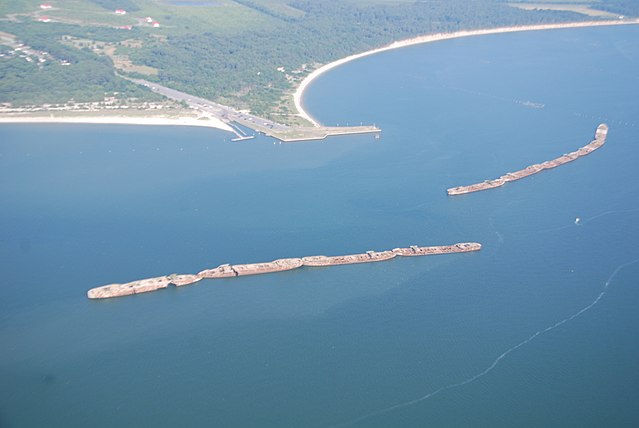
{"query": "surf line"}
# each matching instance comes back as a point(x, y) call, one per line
point(496, 361)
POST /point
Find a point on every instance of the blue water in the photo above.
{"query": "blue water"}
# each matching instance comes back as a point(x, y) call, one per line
point(360, 345)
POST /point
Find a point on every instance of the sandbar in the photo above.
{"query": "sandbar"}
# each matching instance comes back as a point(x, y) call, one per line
point(299, 92)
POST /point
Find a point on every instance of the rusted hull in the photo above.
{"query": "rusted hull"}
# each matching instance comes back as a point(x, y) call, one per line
point(126, 289)
point(369, 257)
point(600, 139)
point(231, 271)
point(270, 267)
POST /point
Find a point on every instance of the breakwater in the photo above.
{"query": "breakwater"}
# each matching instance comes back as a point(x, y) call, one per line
point(600, 139)
point(280, 265)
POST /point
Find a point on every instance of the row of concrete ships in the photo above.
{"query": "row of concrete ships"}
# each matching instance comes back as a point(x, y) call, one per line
point(600, 139)
point(231, 271)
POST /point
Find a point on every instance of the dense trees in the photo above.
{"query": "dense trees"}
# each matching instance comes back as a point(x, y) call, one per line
point(243, 70)
point(86, 77)
point(25, 83)
point(251, 67)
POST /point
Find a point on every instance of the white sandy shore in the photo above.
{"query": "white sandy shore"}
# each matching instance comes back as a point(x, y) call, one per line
point(210, 122)
point(297, 97)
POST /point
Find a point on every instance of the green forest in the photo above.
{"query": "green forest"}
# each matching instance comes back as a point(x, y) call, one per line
point(85, 76)
point(244, 53)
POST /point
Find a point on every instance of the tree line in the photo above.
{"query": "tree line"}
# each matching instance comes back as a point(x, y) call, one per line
point(241, 69)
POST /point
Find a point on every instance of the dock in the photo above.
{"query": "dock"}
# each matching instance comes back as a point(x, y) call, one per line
point(270, 128)
point(248, 137)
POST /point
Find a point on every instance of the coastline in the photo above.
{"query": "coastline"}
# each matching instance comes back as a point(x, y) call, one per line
point(142, 117)
point(299, 92)
point(93, 118)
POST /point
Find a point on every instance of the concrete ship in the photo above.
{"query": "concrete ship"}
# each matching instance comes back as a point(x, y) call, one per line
point(270, 267)
point(414, 250)
point(231, 271)
point(368, 257)
point(600, 139)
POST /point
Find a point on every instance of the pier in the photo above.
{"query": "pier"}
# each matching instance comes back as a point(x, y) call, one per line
point(270, 128)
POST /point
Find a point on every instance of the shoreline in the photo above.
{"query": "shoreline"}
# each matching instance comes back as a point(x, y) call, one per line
point(209, 122)
point(299, 92)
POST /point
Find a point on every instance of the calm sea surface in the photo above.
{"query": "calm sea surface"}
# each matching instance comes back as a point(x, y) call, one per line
point(82, 206)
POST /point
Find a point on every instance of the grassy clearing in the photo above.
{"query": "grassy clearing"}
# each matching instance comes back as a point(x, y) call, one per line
point(123, 63)
point(584, 9)
point(221, 16)
point(245, 53)
point(275, 8)
point(18, 6)
point(118, 52)
point(85, 13)
point(227, 19)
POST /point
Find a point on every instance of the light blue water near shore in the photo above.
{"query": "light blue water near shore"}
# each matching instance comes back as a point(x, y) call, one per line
point(87, 205)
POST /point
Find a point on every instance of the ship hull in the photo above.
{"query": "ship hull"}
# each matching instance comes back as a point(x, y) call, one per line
point(280, 265)
point(600, 139)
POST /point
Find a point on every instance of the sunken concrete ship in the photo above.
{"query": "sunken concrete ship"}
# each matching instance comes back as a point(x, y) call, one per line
point(280, 265)
point(600, 139)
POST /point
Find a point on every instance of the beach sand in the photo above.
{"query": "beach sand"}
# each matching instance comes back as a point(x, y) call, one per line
point(97, 118)
point(299, 92)
point(143, 118)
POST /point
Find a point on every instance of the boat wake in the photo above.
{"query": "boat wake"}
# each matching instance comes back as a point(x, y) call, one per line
point(498, 359)
point(578, 222)
point(589, 219)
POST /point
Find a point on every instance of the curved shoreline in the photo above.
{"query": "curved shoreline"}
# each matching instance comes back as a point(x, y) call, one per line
point(299, 92)
point(210, 122)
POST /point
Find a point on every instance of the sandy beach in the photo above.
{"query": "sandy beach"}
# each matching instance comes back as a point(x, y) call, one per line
point(142, 118)
point(96, 118)
point(299, 92)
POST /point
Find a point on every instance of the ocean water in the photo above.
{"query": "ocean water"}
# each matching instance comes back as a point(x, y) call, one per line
point(537, 329)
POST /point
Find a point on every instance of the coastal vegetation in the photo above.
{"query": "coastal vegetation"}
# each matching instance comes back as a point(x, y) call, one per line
point(66, 74)
point(249, 54)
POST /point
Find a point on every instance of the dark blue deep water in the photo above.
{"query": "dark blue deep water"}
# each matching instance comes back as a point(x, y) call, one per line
point(525, 333)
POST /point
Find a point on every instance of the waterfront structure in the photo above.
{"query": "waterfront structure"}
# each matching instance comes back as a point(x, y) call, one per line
point(280, 265)
point(600, 139)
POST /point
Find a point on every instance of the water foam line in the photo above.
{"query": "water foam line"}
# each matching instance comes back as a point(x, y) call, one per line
point(498, 359)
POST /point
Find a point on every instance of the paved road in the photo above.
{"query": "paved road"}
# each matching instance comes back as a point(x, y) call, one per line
point(222, 112)
point(265, 126)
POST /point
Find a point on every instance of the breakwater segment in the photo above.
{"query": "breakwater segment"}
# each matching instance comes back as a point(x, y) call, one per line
point(600, 139)
point(280, 265)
